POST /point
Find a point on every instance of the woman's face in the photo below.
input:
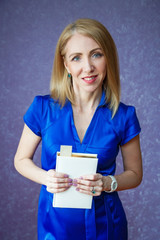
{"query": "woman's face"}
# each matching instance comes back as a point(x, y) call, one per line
point(85, 61)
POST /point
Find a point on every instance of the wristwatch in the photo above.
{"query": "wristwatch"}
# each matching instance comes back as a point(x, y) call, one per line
point(114, 184)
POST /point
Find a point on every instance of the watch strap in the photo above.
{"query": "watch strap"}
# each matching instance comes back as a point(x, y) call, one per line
point(114, 181)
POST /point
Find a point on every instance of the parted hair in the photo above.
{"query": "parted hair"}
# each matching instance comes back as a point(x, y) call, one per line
point(61, 86)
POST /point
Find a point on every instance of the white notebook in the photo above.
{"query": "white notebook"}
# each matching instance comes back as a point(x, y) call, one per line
point(75, 166)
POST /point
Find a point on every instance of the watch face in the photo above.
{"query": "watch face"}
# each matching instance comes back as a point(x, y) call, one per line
point(114, 185)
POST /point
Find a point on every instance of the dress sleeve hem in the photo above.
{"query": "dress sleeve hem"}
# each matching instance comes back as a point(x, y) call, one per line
point(32, 128)
point(130, 138)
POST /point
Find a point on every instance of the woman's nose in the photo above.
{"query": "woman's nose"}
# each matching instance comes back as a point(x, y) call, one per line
point(88, 66)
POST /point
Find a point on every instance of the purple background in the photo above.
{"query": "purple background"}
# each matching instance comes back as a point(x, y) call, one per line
point(29, 30)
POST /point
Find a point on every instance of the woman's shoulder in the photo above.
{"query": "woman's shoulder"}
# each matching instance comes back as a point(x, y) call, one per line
point(124, 114)
point(42, 98)
point(44, 105)
point(47, 105)
point(45, 100)
point(123, 108)
point(126, 122)
point(124, 111)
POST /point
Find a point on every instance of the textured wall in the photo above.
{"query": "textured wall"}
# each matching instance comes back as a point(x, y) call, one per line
point(28, 34)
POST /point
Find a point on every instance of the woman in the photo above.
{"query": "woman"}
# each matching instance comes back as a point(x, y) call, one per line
point(83, 110)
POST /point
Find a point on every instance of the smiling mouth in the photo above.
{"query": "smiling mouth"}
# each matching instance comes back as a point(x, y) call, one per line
point(90, 78)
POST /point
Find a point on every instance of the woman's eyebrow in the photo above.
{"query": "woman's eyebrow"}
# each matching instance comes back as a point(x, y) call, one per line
point(74, 54)
point(95, 49)
point(78, 53)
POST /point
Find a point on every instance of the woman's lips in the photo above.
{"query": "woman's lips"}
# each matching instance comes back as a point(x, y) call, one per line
point(90, 79)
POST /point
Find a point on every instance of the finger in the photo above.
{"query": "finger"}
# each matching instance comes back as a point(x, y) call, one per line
point(59, 185)
point(92, 177)
point(96, 193)
point(56, 190)
point(90, 183)
point(53, 173)
point(83, 182)
point(58, 180)
point(90, 189)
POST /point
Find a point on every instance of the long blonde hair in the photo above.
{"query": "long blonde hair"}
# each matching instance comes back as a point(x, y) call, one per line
point(61, 86)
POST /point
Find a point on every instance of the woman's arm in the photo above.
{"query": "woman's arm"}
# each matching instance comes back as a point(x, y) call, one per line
point(23, 161)
point(130, 178)
point(132, 163)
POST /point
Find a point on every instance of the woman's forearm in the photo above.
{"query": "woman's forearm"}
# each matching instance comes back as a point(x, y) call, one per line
point(28, 169)
point(23, 158)
point(126, 180)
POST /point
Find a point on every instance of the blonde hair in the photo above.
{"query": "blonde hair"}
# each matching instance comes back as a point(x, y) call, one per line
point(61, 86)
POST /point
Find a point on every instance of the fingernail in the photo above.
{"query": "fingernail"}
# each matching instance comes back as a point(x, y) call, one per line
point(66, 175)
point(75, 184)
point(70, 184)
point(70, 180)
point(77, 189)
point(74, 180)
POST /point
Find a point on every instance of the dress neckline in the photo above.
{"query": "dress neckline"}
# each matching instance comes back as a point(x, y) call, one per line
point(90, 129)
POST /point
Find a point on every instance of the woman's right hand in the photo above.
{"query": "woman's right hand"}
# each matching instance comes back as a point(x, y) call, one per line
point(57, 182)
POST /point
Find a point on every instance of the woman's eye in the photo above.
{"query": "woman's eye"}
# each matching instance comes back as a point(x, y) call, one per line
point(97, 55)
point(76, 58)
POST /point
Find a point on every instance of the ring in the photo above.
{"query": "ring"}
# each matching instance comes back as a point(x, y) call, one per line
point(93, 190)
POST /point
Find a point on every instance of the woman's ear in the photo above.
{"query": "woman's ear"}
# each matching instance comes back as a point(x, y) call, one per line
point(65, 64)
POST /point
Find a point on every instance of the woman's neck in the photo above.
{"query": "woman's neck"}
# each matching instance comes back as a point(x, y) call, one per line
point(85, 101)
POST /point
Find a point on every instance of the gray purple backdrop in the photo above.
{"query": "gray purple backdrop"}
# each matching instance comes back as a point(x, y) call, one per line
point(29, 30)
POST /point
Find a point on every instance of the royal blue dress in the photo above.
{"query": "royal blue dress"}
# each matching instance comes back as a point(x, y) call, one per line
point(55, 125)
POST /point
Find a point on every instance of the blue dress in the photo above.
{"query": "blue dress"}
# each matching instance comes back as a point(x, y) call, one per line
point(55, 125)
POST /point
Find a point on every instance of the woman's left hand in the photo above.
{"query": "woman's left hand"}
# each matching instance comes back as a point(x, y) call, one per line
point(89, 184)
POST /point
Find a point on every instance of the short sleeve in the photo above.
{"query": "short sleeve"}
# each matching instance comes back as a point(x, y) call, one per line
point(131, 127)
point(32, 117)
